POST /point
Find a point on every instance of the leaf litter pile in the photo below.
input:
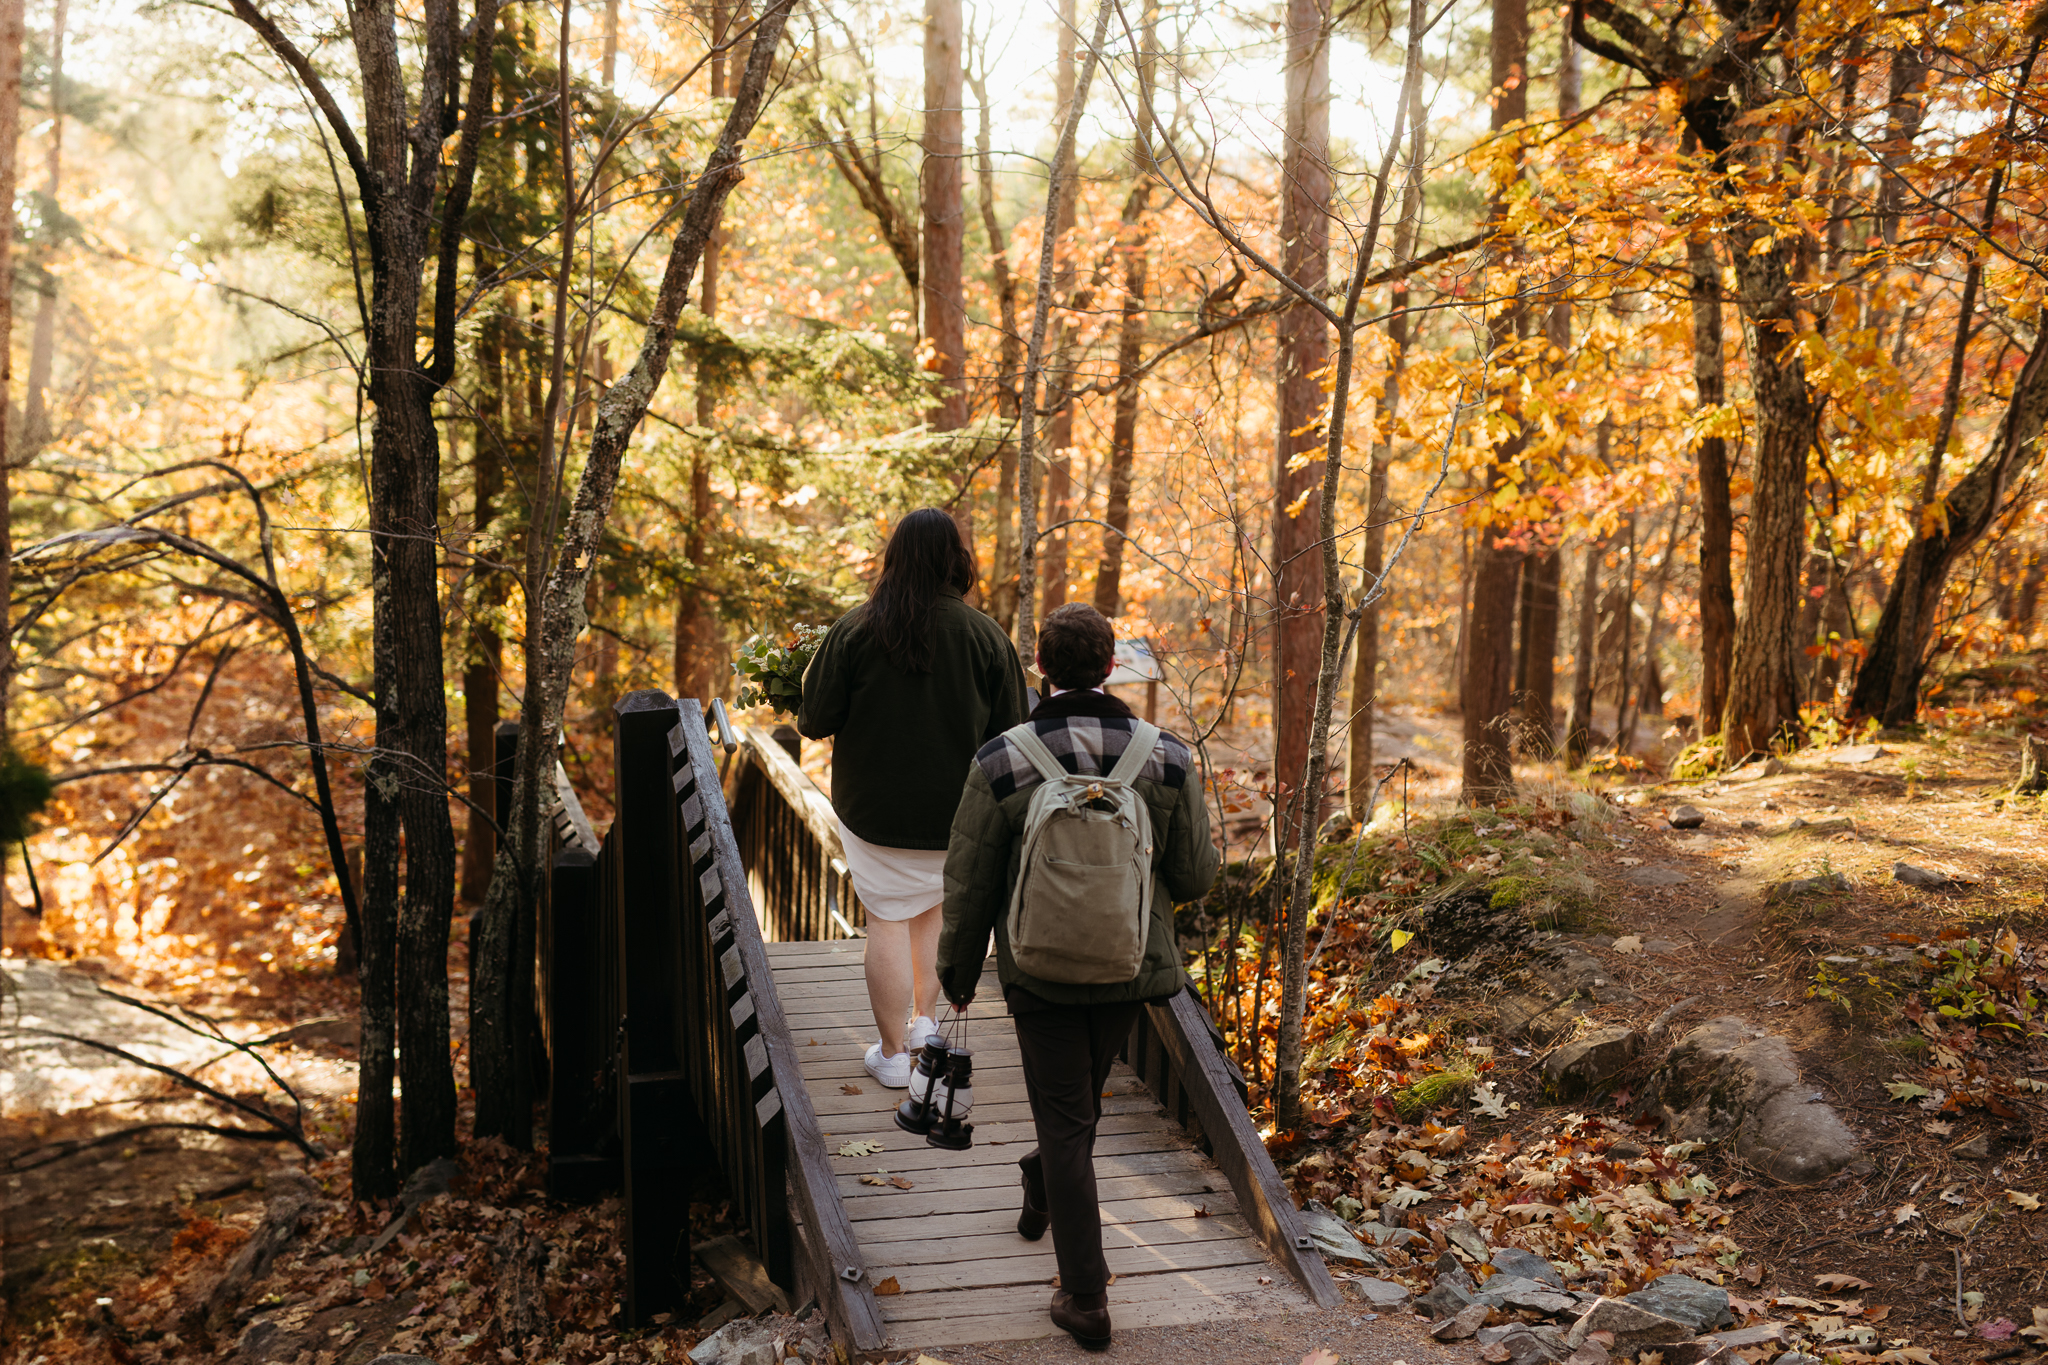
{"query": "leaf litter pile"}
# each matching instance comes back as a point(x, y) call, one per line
point(484, 1268)
point(1509, 1224)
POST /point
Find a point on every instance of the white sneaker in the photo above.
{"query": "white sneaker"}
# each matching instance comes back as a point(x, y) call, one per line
point(892, 1072)
point(921, 1028)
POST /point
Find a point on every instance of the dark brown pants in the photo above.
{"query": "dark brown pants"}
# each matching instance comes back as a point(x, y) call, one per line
point(1067, 1051)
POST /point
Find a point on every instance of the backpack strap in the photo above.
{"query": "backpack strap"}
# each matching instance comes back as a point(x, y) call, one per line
point(1032, 747)
point(1144, 738)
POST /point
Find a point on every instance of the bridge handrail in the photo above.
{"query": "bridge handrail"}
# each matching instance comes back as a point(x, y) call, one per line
point(789, 842)
point(737, 976)
point(1178, 1053)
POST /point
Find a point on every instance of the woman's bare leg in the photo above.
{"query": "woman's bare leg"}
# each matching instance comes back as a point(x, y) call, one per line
point(888, 960)
point(924, 959)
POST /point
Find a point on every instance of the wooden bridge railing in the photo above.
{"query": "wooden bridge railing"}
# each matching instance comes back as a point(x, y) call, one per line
point(789, 841)
point(668, 1043)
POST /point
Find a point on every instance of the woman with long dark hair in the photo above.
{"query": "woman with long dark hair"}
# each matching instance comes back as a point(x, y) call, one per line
point(908, 686)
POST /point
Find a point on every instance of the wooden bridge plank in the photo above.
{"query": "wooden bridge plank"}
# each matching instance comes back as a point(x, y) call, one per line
point(986, 1176)
point(1182, 1285)
point(996, 1246)
point(864, 1202)
point(1015, 1131)
point(874, 1121)
point(1032, 1324)
point(1037, 1267)
point(974, 1222)
point(909, 1153)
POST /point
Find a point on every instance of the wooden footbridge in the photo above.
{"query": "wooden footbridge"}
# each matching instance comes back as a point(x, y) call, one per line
point(699, 988)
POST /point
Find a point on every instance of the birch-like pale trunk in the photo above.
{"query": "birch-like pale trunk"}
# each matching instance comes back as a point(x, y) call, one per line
point(551, 650)
point(1034, 355)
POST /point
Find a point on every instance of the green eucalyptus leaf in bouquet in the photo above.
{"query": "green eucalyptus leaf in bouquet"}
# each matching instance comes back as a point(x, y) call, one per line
point(771, 667)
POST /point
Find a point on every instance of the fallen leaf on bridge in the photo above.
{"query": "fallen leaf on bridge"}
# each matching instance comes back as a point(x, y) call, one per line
point(860, 1148)
point(899, 1182)
point(849, 1090)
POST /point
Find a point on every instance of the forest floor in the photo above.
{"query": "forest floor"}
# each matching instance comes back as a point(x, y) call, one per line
point(124, 1249)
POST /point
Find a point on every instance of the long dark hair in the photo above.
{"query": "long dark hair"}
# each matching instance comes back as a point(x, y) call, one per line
point(925, 555)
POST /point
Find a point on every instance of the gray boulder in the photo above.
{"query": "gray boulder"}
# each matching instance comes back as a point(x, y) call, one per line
point(1462, 1323)
point(1512, 1291)
point(1452, 1293)
point(1825, 884)
point(1466, 1238)
point(1528, 1265)
point(1534, 1345)
point(1687, 817)
point(1702, 1307)
point(1382, 1296)
point(745, 1342)
point(1926, 879)
point(1726, 1080)
point(1332, 1236)
point(1581, 1068)
point(1633, 1326)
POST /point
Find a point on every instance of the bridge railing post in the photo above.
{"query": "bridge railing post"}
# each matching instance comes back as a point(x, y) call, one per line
point(656, 1118)
point(581, 1032)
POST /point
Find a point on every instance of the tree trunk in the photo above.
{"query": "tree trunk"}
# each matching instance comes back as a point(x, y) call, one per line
point(1489, 774)
point(698, 636)
point(1043, 296)
point(945, 307)
point(1717, 515)
point(1888, 685)
point(1132, 247)
point(482, 669)
point(12, 24)
point(1365, 671)
point(498, 1022)
point(1059, 430)
point(1304, 351)
point(35, 418)
point(1002, 595)
point(1538, 669)
point(1578, 725)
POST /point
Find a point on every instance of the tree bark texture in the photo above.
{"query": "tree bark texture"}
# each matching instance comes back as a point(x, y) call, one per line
point(1304, 351)
point(1888, 685)
point(35, 416)
point(1537, 670)
point(1059, 428)
point(12, 25)
point(1717, 513)
point(1034, 351)
point(1763, 681)
point(498, 1021)
point(945, 220)
point(1002, 592)
point(1488, 772)
point(1365, 669)
point(1132, 247)
point(698, 635)
point(1578, 725)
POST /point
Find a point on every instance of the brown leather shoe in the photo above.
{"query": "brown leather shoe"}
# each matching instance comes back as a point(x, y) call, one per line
point(1033, 1221)
point(1085, 1317)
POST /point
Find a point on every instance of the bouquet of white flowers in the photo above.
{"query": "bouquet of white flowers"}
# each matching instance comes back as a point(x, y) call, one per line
point(771, 668)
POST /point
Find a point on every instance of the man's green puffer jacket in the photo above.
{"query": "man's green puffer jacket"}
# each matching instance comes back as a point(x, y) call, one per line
point(1087, 732)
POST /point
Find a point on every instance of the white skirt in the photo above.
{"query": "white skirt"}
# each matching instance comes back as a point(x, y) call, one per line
point(894, 883)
